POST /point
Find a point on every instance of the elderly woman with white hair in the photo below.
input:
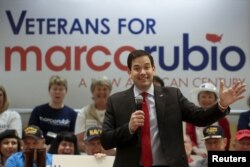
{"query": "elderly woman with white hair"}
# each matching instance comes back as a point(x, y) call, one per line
point(207, 96)
point(93, 114)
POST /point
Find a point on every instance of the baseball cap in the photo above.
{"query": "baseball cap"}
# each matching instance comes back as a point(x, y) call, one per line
point(213, 132)
point(209, 87)
point(206, 87)
point(245, 133)
point(93, 133)
point(33, 131)
point(9, 133)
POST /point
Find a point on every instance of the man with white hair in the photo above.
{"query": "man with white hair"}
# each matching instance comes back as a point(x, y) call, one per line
point(215, 140)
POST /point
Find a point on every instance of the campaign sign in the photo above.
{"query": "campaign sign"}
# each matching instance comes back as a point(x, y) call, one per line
point(82, 160)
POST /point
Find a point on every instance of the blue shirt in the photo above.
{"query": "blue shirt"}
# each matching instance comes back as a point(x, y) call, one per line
point(200, 163)
point(53, 121)
point(17, 160)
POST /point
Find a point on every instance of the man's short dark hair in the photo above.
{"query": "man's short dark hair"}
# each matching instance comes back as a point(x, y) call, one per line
point(159, 80)
point(138, 53)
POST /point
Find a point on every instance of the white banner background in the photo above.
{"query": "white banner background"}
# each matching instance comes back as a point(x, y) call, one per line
point(173, 20)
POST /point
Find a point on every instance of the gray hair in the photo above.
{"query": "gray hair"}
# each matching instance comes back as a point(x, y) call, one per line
point(103, 81)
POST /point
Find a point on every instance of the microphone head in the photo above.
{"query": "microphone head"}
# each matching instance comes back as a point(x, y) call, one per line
point(138, 101)
point(139, 98)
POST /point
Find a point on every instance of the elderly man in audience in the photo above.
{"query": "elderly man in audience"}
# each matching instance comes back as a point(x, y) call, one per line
point(242, 140)
point(92, 141)
point(215, 140)
point(34, 151)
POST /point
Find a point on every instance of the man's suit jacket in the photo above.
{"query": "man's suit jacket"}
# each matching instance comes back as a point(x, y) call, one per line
point(171, 109)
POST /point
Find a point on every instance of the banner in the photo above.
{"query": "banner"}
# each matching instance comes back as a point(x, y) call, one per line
point(192, 42)
point(81, 160)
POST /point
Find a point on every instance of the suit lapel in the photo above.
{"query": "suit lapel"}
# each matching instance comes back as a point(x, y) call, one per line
point(160, 102)
point(131, 100)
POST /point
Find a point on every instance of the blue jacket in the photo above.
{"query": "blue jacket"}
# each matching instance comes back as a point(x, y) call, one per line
point(17, 160)
point(244, 120)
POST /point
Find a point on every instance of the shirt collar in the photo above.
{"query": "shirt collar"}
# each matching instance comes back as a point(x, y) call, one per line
point(149, 91)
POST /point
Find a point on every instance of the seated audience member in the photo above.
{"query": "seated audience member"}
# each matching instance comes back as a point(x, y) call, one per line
point(9, 144)
point(55, 116)
point(93, 114)
point(157, 81)
point(64, 143)
point(244, 118)
point(8, 119)
point(92, 141)
point(242, 140)
point(33, 139)
point(215, 140)
point(207, 96)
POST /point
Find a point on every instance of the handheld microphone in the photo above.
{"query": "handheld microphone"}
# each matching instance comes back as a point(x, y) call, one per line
point(138, 102)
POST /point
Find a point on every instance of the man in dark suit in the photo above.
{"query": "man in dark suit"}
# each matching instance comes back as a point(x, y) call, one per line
point(123, 125)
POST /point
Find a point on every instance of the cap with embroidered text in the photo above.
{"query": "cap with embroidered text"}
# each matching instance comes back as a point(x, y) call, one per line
point(214, 132)
point(33, 131)
point(93, 133)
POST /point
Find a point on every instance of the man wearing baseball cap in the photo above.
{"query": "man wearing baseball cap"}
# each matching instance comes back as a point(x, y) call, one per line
point(92, 142)
point(242, 140)
point(33, 139)
point(215, 140)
